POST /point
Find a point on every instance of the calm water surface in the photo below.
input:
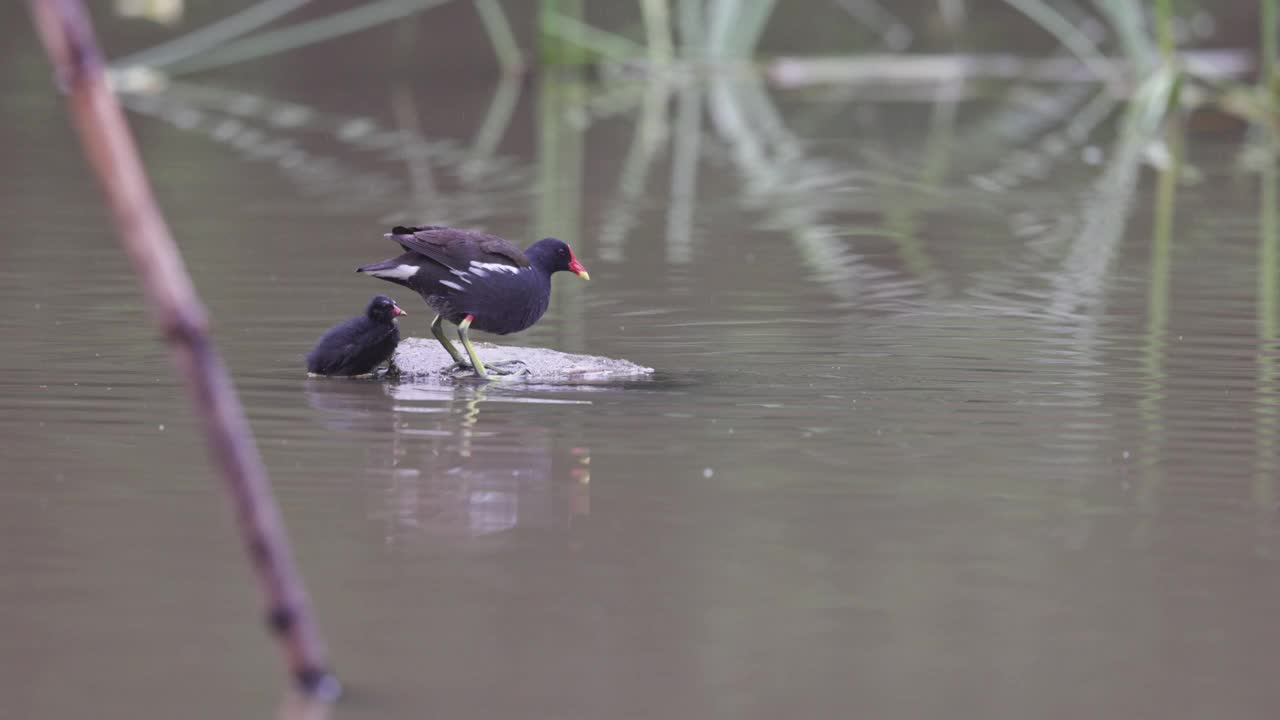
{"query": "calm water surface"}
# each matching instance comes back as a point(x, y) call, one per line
point(945, 423)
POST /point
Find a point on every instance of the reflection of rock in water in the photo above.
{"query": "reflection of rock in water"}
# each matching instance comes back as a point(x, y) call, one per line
point(465, 473)
point(346, 404)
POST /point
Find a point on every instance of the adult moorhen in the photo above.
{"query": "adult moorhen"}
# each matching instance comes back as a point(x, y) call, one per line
point(473, 279)
point(358, 345)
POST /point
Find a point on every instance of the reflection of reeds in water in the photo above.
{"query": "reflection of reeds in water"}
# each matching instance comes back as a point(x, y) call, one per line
point(424, 196)
point(785, 186)
point(1268, 27)
point(210, 36)
point(297, 35)
point(1105, 214)
point(499, 30)
point(780, 178)
point(794, 190)
point(684, 175)
point(647, 138)
point(719, 31)
point(894, 34)
point(558, 212)
point(1268, 311)
point(657, 30)
point(1066, 31)
point(363, 173)
point(1150, 406)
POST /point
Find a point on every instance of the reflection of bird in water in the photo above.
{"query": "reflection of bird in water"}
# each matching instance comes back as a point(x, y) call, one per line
point(472, 478)
point(454, 470)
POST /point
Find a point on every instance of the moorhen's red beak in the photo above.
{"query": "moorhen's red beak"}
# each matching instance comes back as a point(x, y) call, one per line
point(396, 311)
point(576, 268)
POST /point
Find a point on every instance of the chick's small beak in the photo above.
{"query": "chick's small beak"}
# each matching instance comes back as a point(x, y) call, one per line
point(576, 268)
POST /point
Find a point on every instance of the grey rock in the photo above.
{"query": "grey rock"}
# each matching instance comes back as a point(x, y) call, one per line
point(422, 359)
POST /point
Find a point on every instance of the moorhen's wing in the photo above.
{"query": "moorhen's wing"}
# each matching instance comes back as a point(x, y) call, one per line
point(457, 249)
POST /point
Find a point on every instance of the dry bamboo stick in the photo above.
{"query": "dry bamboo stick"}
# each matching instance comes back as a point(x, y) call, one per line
point(67, 34)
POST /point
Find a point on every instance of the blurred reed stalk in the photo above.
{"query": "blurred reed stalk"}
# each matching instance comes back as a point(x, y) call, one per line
point(67, 33)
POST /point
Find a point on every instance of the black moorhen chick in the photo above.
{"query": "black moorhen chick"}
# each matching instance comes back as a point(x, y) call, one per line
point(358, 345)
point(475, 280)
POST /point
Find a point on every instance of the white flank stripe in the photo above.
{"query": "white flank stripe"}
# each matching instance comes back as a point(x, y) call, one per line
point(478, 271)
point(451, 284)
point(495, 267)
point(461, 276)
point(399, 272)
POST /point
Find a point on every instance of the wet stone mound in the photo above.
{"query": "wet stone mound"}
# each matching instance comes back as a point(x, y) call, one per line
point(424, 359)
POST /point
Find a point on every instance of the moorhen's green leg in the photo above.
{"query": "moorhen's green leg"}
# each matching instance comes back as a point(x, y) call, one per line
point(444, 340)
point(466, 343)
point(481, 369)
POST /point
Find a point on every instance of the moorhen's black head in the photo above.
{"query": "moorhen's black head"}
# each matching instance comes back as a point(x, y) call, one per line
point(552, 255)
point(383, 309)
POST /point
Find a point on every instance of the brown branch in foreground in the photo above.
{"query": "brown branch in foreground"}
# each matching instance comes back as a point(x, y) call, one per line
point(67, 33)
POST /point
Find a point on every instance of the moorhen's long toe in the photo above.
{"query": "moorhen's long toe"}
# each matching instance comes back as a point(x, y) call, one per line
point(517, 367)
point(359, 345)
point(475, 280)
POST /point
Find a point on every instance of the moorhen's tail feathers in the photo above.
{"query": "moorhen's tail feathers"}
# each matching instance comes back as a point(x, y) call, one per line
point(411, 229)
point(373, 268)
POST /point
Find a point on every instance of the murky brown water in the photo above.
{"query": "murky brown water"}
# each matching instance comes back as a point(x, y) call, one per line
point(944, 423)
